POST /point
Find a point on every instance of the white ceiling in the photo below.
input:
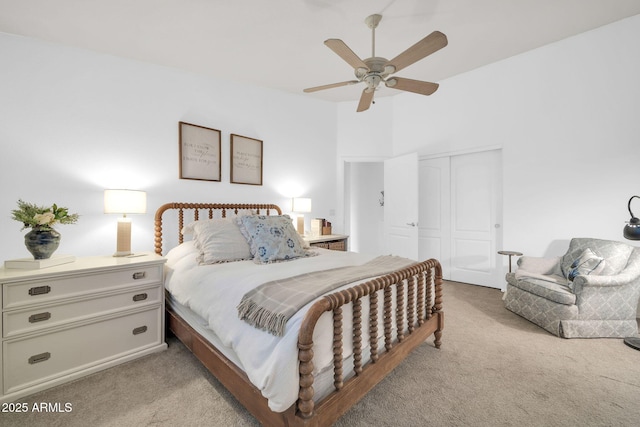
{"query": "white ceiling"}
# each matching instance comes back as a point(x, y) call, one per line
point(279, 43)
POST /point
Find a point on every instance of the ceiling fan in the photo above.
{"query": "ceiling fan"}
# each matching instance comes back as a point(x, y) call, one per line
point(375, 70)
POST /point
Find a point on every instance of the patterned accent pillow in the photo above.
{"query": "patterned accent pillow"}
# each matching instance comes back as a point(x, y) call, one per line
point(220, 240)
point(272, 238)
point(587, 263)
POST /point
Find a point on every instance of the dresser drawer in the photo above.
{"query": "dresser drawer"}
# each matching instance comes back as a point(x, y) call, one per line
point(30, 320)
point(34, 360)
point(22, 294)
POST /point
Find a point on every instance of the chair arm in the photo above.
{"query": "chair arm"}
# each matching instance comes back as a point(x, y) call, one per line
point(540, 265)
point(624, 278)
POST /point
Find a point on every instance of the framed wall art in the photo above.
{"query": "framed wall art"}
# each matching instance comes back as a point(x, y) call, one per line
point(200, 152)
point(246, 160)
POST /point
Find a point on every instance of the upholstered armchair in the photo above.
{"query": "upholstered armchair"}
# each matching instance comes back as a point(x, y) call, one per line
point(591, 291)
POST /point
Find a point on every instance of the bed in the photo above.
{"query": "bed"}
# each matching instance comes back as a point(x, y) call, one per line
point(333, 350)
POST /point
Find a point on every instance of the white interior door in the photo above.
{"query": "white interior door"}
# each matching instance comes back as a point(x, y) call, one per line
point(460, 216)
point(401, 206)
point(476, 218)
point(434, 231)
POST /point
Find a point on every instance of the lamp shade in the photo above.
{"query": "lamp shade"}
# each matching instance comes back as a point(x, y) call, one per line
point(125, 201)
point(632, 229)
point(301, 204)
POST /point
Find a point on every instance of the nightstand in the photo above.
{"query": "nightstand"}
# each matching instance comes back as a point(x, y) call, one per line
point(336, 242)
point(64, 322)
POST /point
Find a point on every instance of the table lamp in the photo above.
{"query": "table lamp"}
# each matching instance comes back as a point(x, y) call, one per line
point(301, 205)
point(124, 202)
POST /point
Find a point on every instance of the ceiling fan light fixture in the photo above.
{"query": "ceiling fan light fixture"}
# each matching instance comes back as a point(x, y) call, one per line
point(361, 72)
point(374, 70)
point(372, 81)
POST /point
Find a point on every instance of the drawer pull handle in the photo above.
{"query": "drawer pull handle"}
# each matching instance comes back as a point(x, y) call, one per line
point(139, 275)
point(40, 317)
point(140, 297)
point(40, 290)
point(37, 358)
point(139, 330)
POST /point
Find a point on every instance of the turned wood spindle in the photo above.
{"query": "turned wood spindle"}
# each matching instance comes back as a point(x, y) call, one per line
point(411, 285)
point(387, 319)
point(400, 310)
point(305, 395)
point(357, 336)
point(429, 295)
point(337, 348)
point(421, 299)
point(373, 326)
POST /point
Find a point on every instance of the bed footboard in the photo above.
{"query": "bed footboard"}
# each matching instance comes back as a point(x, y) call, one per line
point(411, 298)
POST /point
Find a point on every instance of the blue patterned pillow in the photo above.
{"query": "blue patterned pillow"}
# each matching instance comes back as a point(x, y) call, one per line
point(587, 263)
point(272, 238)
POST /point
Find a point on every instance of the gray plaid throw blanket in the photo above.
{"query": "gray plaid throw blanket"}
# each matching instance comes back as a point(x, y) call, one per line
point(271, 305)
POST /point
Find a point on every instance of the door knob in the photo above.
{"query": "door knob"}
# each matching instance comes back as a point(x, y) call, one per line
point(411, 224)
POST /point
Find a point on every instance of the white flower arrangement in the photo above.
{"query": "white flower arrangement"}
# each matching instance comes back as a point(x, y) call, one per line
point(42, 217)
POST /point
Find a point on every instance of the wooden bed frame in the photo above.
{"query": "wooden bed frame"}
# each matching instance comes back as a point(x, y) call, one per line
point(418, 320)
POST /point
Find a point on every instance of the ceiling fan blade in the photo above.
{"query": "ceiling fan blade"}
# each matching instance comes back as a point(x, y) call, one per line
point(344, 52)
point(415, 86)
point(365, 99)
point(332, 85)
point(425, 47)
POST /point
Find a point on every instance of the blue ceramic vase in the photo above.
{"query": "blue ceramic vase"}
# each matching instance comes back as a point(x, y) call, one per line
point(42, 243)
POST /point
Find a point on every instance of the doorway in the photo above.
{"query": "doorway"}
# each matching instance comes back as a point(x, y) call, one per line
point(459, 213)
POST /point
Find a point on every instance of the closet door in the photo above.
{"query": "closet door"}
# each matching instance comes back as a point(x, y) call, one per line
point(434, 231)
point(460, 216)
point(476, 200)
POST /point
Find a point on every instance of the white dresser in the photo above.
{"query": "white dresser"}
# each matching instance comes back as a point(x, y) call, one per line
point(64, 322)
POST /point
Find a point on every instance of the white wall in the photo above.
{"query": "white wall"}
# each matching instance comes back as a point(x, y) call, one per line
point(75, 123)
point(565, 116)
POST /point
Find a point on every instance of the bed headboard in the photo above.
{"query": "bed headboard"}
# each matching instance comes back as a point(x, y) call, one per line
point(211, 210)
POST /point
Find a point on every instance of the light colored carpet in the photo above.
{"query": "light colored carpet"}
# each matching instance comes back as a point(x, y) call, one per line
point(494, 369)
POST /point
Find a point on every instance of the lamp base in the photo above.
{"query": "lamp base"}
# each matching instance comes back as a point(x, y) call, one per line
point(633, 342)
point(123, 244)
point(300, 225)
point(123, 253)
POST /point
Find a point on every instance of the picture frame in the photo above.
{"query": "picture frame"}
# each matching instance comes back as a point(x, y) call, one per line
point(246, 160)
point(200, 152)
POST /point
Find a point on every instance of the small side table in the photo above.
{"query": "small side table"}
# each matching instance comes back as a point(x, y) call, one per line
point(510, 254)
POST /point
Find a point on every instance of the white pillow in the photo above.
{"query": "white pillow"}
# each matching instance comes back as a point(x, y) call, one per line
point(272, 238)
point(220, 240)
point(187, 230)
point(179, 252)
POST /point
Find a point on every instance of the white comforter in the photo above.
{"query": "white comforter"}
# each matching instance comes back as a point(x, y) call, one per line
point(214, 291)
